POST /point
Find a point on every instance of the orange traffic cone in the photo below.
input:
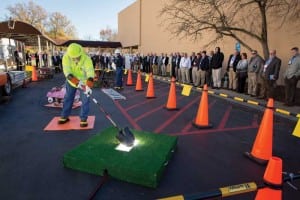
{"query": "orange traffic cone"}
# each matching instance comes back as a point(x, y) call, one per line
point(171, 103)
point(150, 90)
point(34, 74)
point(273, 179)
point(202, 120)
point(262, 148)
point(268, 193)
point(273, 173)
point(138, 86)
point(129, 78)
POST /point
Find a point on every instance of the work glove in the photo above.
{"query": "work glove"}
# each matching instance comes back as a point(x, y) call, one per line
point(85, 88)
point(81, 85)
point(88, 90)
point(90, 82)
point(73, 79)
point(114, 66)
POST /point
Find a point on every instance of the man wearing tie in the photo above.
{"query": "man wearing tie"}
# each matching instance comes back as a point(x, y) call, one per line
point(270, 73)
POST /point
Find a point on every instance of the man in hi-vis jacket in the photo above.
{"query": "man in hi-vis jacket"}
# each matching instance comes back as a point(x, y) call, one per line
point(79, 72)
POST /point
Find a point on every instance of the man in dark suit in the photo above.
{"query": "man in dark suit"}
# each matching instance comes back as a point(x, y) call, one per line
point(270, 74)
point(55, 61)
point(45, 59)
point(146, 63)
point(154, 64)
point(165, 63)
point(173, 65)
point(204, 69)
point(231, 69)
point(101, 60)
point(177, 69)
point(216, 64)
point(37, 59)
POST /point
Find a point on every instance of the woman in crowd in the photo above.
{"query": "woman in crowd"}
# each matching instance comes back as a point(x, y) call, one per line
point(241, 73)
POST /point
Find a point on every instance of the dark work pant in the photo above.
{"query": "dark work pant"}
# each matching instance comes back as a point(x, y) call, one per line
point(241, 84)
point(290, 89)
point(147, 68)
point(173, 70)
point(270, 88)
point(119, 75)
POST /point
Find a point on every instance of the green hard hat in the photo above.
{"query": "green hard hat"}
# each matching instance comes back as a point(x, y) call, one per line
point(74, 50)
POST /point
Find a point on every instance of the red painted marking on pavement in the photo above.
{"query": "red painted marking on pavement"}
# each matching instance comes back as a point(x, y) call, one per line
point(162, 126)
point(152, 111)
point(139, 93)
point(214, 130)
point(127, 91)
point(189, 125)
point(186, 128)
point(131, 121)
point(254, 122)
point(148, 113)
point(225, 118)
point(141, 103)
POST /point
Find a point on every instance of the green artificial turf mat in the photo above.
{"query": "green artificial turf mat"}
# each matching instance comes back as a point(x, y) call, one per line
point(143, 165)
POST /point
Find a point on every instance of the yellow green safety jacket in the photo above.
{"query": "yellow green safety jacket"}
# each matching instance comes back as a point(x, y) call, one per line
point(82, 70)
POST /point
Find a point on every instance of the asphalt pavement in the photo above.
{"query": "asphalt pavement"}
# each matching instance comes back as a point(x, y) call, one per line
point(31, 158)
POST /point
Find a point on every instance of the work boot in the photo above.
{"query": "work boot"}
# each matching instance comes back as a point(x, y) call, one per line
point(83, 123)
point(63, 120)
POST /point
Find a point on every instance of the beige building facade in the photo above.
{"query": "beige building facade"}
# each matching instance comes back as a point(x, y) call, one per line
point(141, 28)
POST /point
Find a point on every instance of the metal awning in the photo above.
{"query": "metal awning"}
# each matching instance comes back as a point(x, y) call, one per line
point(23, 32)
point(28, 34)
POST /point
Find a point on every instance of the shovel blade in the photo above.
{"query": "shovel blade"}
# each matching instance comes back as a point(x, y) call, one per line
point(126, 137)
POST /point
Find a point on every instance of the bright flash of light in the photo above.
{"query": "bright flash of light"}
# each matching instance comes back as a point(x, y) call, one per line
point(122, 147)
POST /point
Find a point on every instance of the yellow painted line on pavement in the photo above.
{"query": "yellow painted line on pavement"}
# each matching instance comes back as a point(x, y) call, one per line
point(238, 99)
point(252, 102)
point(178, 197)
point(223, 95)
point(282, 111)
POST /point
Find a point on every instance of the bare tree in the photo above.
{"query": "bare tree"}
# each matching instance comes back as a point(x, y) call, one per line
point(57, 27)
point(88, 37)
point(30, 13)
point(108, 34)
point(60, 27)
point(238, 19)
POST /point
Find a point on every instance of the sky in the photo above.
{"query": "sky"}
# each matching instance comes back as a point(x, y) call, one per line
point(88, 17)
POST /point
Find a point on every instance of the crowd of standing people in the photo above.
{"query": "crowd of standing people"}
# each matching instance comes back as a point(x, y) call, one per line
point(34, 59)
point(252, 75)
